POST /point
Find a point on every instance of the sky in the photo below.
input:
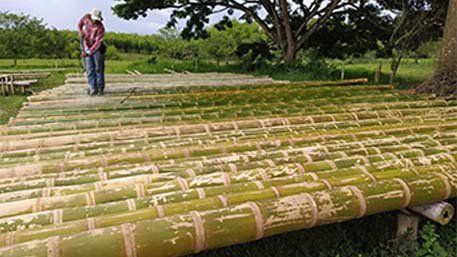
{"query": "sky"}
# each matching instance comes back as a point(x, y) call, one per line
point(65, 14)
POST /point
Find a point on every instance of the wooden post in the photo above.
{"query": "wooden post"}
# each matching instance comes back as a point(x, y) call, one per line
point(2, 80)
point(377, 73)
point(407, 224)
point(11, 84)
point(342, 71)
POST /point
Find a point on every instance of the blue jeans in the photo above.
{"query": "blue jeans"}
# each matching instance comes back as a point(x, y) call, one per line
point(95, 68)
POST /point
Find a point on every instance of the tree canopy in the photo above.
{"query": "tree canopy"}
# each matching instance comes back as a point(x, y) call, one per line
point(288, 23)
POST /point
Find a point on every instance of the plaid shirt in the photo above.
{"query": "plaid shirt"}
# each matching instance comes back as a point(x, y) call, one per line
point(92, 33)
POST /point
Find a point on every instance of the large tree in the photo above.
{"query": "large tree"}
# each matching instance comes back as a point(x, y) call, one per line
point(288, 23)
point(444, 81)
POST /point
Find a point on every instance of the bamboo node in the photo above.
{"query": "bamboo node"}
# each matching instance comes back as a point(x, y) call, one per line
point(259, 185)
point(356, 118)
point(37, 207)
point(276, 191)
point(260, 230)
point(46, 192)
point(50, 182)
point(332, 164)
point(225, 178)
point(183, 184)
point(155, 169)
point(191, 172)
point(270, 163)
point(362, 202)
point(300, 168)
point(200, 243)
point(131, 205)
point(327, 183)
point(146, 157)
point(128, 233)
point(367, 173)
point(233, 168)
point(186, 153)
point(98, 186)
point(201, 193)
point(264, 174)
point(101, 174)
point(447, 185)
point(314, 210)
point(90, 198)
point(207, 129)
point(406, 191)
point(57, 216)
point(90, 223)
point(53, 245)
point(10, 238)
point(140, 192)
point(146, 137)
point(314, 176)
point(104, 161)
point(177, 132)
point(160, 211)
point(223, 200)
point(307, 157)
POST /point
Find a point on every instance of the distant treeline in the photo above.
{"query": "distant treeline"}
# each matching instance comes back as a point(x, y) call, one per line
point(22, 36)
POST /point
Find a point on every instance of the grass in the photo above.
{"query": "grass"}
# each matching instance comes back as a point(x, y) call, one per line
point(370, 236)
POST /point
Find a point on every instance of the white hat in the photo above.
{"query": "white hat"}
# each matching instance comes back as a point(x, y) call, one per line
point(96, 15)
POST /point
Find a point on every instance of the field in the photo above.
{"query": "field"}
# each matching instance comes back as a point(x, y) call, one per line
point(370, 236)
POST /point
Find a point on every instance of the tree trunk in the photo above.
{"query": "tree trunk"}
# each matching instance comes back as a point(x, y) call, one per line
point(444, 81)
point(289, 55)
point(395, 65)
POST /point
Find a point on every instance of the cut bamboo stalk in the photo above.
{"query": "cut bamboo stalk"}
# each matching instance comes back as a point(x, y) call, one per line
point(440, 212)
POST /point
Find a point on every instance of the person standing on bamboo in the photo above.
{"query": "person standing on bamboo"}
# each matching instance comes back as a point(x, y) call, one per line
point(91, 32)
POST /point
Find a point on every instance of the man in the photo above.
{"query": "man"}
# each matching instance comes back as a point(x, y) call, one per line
point(91, 32)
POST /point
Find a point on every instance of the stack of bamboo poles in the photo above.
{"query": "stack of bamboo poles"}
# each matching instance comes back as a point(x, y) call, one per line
point(201, 161)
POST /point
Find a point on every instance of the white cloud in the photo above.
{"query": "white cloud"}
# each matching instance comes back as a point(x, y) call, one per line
point(65, 14)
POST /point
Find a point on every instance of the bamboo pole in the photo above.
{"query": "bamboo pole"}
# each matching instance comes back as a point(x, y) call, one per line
point(277, 186)
point(440, 212)
point(198, 231)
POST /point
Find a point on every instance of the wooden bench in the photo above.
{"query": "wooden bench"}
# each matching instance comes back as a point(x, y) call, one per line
point(24, 84)
point(9, 84)
point(6, 82)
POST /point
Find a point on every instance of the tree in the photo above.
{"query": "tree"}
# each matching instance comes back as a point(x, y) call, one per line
point(444, 81)
point(288, 23)
point(220, 45)
point(20, 35)
point(407, 23)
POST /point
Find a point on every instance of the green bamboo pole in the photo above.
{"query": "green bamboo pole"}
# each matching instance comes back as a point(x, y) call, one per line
point(198, 231)
point(339, 155)
point(278, 186)
point(338, 151)
point(89, 130)
point(154, 155)
point(199, 204)
point(142, 138)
